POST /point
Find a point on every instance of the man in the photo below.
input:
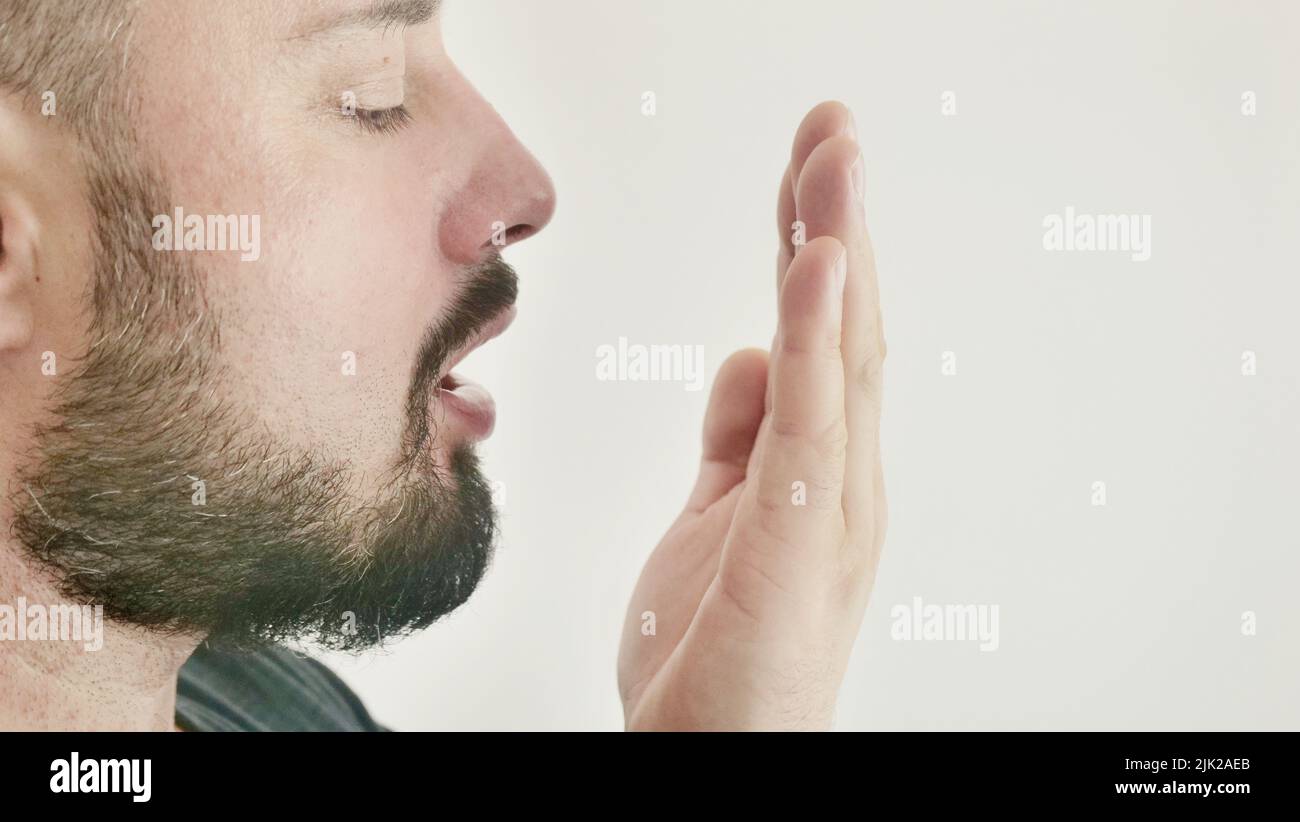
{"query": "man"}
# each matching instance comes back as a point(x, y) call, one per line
point(192, 332)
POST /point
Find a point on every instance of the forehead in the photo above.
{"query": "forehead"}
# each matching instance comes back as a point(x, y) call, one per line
point(195, 22)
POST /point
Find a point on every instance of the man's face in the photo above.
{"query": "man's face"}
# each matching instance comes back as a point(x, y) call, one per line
point(366, 236)
point(255, 448)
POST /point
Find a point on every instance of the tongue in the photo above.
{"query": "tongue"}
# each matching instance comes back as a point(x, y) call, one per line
point(473, 403)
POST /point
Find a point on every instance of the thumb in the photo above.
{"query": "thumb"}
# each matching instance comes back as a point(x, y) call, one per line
point(730, 425)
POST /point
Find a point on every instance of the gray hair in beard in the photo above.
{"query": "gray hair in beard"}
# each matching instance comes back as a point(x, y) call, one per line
point(282, 550)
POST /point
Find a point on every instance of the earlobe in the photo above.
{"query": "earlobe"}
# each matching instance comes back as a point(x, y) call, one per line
point(18, 277)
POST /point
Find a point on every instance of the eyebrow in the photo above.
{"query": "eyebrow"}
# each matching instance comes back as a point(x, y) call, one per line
point(377, 14)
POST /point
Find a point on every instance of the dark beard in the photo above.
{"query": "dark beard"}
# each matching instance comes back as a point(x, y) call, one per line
point(283, 549)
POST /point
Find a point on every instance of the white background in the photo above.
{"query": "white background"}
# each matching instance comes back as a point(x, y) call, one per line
point(1071, 367)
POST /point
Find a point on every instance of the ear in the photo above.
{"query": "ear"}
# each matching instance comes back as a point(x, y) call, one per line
point(19, 239)
point(46, 247)
point(18, 272)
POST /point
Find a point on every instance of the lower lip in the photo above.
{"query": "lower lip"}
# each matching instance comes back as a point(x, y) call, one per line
point(471, 405)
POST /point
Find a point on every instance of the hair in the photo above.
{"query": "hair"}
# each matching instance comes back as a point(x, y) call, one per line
point(81, 51)
point(288, 545)
point(78, 49)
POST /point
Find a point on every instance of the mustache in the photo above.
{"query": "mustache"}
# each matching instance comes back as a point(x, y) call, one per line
point(486, 290)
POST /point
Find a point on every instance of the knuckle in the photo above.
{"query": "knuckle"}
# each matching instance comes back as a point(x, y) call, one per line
point(771, 504)
point(818, 344)
point(786, 428)
point(748, 584)
point(828, 444)
point(824, 491)
point(870, 373)
point(770, 525)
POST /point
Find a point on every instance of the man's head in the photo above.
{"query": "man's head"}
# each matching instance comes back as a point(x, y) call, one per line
point(261, 442)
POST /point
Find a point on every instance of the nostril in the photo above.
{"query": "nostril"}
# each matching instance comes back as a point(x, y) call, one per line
point(511, 236)
point(519, 232)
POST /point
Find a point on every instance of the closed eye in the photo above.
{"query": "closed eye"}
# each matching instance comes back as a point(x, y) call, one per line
point(382, 120)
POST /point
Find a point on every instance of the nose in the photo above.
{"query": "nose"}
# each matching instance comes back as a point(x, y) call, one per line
point(507, 195)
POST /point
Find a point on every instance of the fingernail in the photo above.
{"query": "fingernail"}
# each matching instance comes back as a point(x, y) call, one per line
point(856, 173)
point(841, 271)
point(851, 127)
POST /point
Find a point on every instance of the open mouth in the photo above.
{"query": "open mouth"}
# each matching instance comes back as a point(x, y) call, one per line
point(490, 330)
point(468, 405)
point(449, 383)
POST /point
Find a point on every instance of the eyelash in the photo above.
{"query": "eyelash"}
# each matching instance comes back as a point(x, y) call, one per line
point(382, 120)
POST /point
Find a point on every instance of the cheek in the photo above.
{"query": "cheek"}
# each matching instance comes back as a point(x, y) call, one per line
point(370, 280)
point(325, 326)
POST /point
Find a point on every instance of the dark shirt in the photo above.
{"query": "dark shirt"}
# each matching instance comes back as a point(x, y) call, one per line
point(269, 690)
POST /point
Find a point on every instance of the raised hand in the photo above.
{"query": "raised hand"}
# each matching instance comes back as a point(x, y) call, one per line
point(756, 593)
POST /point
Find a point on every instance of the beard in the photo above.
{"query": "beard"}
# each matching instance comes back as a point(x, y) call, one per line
point(151, 495)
